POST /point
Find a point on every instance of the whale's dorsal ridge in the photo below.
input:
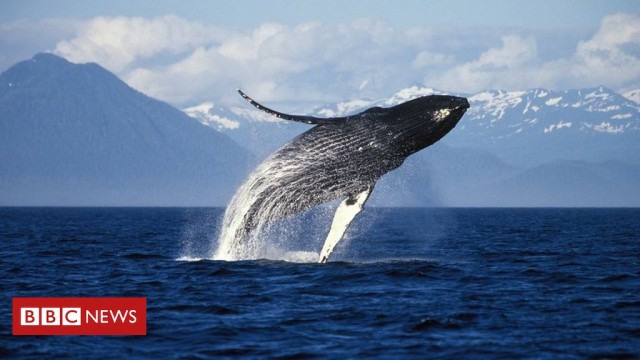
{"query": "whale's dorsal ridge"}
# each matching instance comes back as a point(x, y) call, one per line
point(299, 118)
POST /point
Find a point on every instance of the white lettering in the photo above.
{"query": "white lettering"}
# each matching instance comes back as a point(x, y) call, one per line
point(132, 315)
point(108, 316)
point(118, 315)
point(94, 317)
point(104, 316)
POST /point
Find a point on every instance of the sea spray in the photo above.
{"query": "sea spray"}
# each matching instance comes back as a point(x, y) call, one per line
point(259, 221)
point(195, 237)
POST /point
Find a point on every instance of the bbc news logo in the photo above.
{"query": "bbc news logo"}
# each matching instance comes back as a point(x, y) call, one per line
point(79, 316)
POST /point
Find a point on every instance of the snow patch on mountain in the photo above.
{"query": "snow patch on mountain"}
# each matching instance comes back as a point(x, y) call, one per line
point(557, 126)
point(607, 127)
point(226, 119)
point(205, 113)
point(633, 95)
point(553, 102)
point(494, 104)
point(407, 94)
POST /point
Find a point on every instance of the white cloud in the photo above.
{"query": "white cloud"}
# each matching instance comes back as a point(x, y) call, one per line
point(612, 55)
point(506, 66)
point(515, 52)
point(429, 59)
point(615, 31)
point(187, 62)
point(118, 42)
point(274, 62)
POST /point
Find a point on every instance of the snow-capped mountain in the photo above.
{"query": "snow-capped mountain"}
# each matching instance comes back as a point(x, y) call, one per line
point(498, 120)
point(505, 113)
point(536, 126)
point(598, 110)
point(75, 134)
point(513, 148)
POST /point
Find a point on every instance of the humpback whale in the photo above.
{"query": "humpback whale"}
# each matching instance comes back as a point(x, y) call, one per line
point(339, 158)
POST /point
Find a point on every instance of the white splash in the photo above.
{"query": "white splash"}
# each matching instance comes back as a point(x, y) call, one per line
point(189, 258)
point(264, 198)
point(264, 218)
point(248, 194)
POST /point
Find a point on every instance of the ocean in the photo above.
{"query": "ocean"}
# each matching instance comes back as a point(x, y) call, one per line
point(424, 283)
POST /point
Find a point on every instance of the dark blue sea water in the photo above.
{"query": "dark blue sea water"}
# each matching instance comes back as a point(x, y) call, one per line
point(408, 283)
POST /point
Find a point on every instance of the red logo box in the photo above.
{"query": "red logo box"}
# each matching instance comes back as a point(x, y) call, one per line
point(79, 316)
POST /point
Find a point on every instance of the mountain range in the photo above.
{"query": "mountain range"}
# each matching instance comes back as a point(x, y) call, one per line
point(76, 135)
point(513, 148)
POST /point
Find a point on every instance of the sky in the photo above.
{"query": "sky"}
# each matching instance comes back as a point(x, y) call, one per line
point(187, 52)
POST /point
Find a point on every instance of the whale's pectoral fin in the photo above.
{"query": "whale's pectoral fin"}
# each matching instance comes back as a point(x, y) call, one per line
point(343, 217)
point(299, 118)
